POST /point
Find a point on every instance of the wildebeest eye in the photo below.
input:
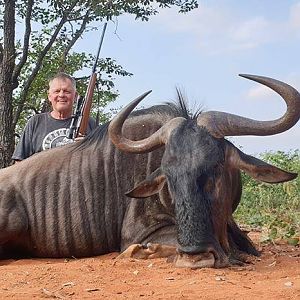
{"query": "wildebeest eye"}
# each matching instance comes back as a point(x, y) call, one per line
point(202, 179)
point(206, 183)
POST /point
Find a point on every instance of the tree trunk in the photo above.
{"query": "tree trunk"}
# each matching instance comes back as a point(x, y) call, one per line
point(6, 85)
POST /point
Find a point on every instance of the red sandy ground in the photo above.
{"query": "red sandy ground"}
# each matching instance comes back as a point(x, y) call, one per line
point(275, 275)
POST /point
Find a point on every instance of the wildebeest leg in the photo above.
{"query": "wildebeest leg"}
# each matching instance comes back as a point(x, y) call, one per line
point(159, 251)
point(13, 221)
point(239, 241)
point(148, 251)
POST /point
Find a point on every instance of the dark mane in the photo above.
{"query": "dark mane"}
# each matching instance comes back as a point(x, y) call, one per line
point(94, 137)
point(178, 108)
point(181, 105)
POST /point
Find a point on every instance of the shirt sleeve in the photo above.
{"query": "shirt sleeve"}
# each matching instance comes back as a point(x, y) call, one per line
point(24, 147)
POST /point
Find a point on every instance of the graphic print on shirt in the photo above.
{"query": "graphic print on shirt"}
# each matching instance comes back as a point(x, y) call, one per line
point(56, 138)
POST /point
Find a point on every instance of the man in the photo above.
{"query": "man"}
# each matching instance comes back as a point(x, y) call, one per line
point(48, 130)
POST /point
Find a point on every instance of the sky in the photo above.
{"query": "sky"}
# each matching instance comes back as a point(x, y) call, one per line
point(203, 52)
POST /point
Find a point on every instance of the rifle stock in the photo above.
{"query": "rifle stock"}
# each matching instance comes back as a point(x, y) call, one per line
point(87, 106)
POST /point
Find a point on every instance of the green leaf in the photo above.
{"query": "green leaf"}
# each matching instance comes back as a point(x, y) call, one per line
point(293, 241)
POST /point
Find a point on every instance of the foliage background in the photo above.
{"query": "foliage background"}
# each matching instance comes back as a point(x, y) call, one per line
point(273, 208)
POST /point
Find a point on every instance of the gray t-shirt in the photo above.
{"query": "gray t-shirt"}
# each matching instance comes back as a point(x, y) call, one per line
point(44, 132)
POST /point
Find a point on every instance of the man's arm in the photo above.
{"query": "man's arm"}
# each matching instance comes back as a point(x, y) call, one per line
point(24, 147)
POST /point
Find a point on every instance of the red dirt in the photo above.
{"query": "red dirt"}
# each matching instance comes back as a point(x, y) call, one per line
point(275, 275)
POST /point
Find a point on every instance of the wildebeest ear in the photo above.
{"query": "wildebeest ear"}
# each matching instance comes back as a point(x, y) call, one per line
point(150, 186)
point(258, 169)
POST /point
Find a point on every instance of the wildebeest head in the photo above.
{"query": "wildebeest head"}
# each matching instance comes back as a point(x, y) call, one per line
point(202, 171)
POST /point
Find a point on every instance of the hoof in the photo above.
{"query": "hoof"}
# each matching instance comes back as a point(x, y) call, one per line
point(203, 260)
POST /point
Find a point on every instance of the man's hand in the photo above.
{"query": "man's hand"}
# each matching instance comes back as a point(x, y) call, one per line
point(79, 138)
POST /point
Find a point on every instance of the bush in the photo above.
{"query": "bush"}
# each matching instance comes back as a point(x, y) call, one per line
point(274, 208)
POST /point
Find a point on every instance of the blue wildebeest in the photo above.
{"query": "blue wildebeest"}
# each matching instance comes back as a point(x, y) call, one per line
point(70, 201)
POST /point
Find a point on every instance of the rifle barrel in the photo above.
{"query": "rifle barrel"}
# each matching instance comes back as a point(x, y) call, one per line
point(99, 48)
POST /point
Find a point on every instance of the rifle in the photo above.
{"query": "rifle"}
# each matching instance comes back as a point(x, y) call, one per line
point(80, 119)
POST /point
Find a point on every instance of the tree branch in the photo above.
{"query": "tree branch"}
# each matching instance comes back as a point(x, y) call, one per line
point(1, 53)
point(39, 63)
point(9, 35)
point(27, 33)
point(77, 34)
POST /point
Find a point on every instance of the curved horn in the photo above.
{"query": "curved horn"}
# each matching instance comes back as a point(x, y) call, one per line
point(221, 124)
point(156, 140)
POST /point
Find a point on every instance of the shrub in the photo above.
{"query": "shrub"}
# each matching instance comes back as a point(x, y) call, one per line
point(274, 208)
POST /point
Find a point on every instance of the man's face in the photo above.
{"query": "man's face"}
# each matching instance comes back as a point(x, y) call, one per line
point(61, 94)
